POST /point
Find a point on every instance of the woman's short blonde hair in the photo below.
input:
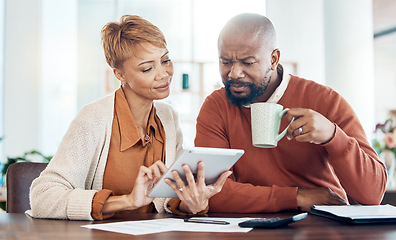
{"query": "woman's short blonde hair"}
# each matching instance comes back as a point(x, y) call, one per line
point(119, 38)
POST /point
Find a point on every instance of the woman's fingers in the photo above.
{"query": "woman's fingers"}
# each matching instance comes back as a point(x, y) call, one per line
point(195, 195)
point(201, 174)
point(220, 182)
point(178, 190)
point(144, 171)
point(190, 179)
point(171, 184)
point(178, 180)
point(156, 171)
point(158, 168)
point(161, 166)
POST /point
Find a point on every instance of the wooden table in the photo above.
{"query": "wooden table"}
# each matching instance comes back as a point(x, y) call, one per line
point(19, 226)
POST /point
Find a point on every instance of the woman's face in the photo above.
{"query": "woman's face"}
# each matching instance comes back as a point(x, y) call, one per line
point(148, 73)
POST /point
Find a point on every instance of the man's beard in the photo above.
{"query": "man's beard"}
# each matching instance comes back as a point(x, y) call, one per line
point(255, 92)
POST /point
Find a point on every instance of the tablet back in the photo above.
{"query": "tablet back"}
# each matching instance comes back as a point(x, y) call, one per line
point(217, 161)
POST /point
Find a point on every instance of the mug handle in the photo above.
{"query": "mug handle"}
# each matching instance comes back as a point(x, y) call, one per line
point(282, 134)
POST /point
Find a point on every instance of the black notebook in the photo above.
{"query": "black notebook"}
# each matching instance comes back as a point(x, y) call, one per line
point(357, 214)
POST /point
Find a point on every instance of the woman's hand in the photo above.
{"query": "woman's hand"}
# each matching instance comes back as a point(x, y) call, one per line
point(195, 196)
point(146, 179)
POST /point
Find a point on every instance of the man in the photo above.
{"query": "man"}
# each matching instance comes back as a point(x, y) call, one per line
point(326, 156)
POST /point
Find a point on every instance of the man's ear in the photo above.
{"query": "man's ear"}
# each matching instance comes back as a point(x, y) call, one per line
point(275, 56)
point(119, 74)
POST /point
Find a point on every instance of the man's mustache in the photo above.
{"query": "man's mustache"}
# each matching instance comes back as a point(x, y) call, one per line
point(236, 82)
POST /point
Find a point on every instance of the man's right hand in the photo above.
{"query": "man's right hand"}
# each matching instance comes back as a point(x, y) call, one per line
point(307, 197)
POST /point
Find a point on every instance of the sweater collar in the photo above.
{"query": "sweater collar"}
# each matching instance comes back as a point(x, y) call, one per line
point(280, 90)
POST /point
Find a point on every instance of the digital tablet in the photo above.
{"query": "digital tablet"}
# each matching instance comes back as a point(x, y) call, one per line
point(217, 161)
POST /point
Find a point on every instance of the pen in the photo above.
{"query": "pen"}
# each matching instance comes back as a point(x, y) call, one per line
point(205, 221)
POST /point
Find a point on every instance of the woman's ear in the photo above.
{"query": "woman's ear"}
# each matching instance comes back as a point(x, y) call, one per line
point(275, 56)
point(119, 74)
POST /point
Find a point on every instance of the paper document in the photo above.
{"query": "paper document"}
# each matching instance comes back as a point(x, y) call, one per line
point(170, 224)
point(357, 213)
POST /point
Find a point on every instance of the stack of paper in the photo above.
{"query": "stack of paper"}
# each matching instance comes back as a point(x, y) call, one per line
point(357, 213)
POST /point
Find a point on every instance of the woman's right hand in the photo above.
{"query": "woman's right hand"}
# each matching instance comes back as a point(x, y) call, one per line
point(146, 179)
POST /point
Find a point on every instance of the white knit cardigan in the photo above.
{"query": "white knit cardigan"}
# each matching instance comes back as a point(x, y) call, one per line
point(65, 189)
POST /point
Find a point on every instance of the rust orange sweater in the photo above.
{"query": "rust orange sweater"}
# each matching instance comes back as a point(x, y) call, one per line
point(266, 179)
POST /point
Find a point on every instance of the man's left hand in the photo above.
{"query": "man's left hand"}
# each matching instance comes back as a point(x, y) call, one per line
point(309, 126)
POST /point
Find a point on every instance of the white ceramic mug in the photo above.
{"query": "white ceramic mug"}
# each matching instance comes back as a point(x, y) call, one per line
point(266, 119)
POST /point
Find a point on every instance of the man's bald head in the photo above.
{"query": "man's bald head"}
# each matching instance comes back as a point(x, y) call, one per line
point(250, 25)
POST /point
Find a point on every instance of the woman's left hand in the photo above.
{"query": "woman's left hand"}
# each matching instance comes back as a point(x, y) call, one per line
point(195, 196)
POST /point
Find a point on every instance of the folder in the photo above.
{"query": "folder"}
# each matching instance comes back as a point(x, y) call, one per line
point(357, 214)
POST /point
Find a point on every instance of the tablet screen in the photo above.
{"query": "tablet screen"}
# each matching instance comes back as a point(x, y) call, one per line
point(217, 161)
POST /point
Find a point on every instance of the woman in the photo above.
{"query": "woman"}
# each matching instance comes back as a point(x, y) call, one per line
point(119, 146)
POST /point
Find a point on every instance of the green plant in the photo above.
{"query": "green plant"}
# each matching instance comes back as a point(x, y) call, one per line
point(26, 157)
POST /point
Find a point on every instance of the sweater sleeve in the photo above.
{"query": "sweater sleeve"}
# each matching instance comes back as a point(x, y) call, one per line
point(236, 197)
point(355, 162)
point(62, 191)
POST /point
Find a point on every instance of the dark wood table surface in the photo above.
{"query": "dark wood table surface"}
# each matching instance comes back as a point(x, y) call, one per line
point(20, 226)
